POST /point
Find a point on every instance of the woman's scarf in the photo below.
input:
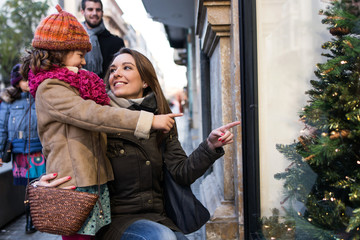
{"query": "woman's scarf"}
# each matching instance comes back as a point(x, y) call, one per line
point(147, 103)
point(89, 85)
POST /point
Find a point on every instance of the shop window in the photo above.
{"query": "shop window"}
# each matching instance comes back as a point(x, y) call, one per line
point(308, 91)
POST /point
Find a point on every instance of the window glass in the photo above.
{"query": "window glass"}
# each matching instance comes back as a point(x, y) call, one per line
point(290, 40)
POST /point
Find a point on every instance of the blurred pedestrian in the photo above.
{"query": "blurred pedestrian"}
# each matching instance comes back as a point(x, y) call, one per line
point(14, 126)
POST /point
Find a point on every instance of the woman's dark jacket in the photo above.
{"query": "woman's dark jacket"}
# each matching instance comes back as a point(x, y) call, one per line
point(137, 191)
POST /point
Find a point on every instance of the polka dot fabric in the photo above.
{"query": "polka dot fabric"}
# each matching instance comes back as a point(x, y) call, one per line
point(93, 223)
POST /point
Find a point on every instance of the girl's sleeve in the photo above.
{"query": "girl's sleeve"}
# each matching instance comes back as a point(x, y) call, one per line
point(56, 99)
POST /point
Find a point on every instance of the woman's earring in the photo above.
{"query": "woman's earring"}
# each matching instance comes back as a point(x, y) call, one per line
point(145, 85)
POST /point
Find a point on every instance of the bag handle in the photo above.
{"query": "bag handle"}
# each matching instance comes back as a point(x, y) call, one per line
point(26, 201)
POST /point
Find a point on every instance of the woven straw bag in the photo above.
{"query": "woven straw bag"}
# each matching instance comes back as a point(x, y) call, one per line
point(59, 211)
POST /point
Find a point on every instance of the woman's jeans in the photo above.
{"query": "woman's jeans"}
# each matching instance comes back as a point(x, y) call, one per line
point(149, 230)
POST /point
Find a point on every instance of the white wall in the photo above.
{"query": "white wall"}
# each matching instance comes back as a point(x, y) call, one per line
point(290, 35)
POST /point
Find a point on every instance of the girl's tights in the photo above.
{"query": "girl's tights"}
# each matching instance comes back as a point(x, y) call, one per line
point(78, 237)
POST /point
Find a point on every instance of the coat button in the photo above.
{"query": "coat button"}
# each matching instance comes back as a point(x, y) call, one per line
point(150, 201)
point(122, 151)
point(147, 163)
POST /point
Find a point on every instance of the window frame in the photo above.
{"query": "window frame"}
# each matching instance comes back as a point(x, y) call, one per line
point(250, 130)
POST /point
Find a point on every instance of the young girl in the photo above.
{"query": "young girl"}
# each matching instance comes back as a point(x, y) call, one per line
point(14, 127)
point(73, 112)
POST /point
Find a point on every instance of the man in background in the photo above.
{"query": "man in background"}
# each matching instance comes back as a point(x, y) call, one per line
point(104, 44)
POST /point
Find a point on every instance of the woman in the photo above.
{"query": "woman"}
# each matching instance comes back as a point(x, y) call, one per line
point(136, 194)
point(14, 127)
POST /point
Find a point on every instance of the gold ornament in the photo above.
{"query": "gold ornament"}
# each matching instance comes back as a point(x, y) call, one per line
point(339, 31)
point(337, 134)
point(309, 157)
point(349, 43)
point(335, 18)
point(302, 141)
point(327, 71)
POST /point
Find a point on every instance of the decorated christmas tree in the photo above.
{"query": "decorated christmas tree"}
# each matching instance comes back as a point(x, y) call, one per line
point(322, 182)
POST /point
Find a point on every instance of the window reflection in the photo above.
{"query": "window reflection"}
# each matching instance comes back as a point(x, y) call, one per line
point(290, 36)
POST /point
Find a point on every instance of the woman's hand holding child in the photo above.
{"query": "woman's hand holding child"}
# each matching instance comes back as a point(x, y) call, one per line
point(46, 181)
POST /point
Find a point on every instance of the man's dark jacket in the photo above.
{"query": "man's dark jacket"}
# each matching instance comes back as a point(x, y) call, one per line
point(109, 45)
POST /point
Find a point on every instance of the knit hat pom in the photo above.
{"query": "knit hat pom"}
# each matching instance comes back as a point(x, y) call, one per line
point(61, 31)
point(58, 8)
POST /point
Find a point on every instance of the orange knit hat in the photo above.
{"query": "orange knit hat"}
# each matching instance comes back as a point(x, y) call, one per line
point(61, 31)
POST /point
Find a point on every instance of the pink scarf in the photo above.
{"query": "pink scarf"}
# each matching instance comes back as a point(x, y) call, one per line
point(89, 85)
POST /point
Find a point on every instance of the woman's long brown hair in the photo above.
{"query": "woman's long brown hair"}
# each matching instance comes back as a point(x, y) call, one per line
point(148, 75)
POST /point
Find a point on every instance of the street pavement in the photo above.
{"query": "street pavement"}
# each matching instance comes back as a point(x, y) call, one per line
point(188, 138)
point(16, 231)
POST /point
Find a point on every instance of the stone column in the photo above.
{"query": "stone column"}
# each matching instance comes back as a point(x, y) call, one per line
point(236, 99)
point(213, 25)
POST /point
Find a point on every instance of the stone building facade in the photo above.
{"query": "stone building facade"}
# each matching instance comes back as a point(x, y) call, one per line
point(217, 45)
